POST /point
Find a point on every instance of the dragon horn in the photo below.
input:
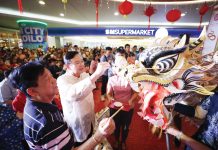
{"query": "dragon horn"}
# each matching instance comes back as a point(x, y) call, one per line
point(181, 42)
point(196, 44)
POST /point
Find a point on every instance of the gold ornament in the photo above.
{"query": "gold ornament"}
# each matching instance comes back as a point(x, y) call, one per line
point(64, 2)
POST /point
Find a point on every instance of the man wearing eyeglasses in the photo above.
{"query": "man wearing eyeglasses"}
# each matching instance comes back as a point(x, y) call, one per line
point(75, 89)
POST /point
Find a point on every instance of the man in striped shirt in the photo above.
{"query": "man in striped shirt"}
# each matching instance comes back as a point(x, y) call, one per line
point(44, 127)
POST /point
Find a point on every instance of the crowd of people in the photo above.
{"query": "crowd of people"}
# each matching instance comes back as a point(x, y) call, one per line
point(52, 114)
point(32, 81)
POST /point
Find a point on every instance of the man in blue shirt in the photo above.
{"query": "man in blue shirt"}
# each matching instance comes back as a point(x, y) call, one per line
point(44, 127)
point(107, 57)
point(140, 51)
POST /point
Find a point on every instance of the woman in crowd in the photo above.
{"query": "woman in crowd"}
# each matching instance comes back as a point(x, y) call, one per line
point(131, 58)
point(119, 90)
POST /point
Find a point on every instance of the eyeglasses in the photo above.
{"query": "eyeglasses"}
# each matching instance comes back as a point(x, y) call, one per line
point(77, 62)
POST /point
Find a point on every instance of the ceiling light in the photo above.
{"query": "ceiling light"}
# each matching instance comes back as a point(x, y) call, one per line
point(183, 14)
point(62, 14)
point(41, 2)
point(116, 13)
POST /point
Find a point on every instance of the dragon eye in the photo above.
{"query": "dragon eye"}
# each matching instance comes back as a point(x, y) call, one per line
point(167, 63)
point(161, 59)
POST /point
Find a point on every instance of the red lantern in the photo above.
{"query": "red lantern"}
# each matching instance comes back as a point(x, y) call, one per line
point(125, 8)
point(173, 15)
point(20, 6)
point(121, 10)
point(202, 11)
point(149, 11)
point(96, 12)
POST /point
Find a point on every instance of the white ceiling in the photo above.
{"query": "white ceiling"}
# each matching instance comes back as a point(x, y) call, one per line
point(81, 13)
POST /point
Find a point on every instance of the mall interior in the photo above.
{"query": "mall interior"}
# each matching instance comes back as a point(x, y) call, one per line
point(108, 74)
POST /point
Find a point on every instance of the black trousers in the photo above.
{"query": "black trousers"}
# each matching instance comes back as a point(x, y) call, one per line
point(122, 121)
point(104, 84)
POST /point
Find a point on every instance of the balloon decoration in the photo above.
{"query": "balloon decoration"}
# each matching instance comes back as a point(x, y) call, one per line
point(20, 6)
point(202, 11)
point(161, 33)
point(149, 11)
point(173, 15)
point(96, 12)
point(125, 8)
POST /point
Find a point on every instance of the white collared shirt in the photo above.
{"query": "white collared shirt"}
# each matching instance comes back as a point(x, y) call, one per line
point(78, 103)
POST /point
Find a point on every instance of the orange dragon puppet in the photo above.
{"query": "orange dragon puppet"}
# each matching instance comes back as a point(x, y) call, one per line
point(167, 74)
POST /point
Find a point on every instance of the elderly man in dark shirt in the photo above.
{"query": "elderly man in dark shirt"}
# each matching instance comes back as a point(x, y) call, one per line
point(44, 127)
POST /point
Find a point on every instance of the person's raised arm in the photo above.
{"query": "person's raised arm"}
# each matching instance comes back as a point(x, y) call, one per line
point(101, 68)
point(82, 88)
point(195, 145)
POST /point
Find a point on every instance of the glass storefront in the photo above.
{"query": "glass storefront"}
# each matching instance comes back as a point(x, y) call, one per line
point(9, 39)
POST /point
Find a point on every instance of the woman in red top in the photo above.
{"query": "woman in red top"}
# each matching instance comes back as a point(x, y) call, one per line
point(119, 90)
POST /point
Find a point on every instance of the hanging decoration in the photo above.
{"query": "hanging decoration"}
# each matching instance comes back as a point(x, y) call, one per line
point(20, 6)
point(173, 15)
point(149, 11)
point(202, 11)
point(65, 3)
point(96, 12)
point(125, 8)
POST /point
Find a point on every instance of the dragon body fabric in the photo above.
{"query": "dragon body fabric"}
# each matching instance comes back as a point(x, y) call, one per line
point(166, 75)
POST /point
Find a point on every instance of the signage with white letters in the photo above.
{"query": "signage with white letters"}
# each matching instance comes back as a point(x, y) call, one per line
point(130, 32)
point(33, 34)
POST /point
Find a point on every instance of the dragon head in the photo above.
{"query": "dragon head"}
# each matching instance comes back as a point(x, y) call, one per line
point(165, 75)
